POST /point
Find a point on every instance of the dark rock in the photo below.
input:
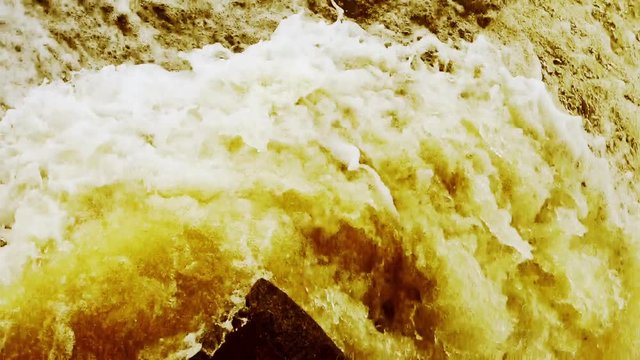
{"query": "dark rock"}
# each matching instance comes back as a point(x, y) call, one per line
point(358, 9)
point(480, 6)
point(277, 328)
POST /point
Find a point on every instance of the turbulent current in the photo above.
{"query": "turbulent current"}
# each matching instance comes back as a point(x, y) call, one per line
point(416, 199)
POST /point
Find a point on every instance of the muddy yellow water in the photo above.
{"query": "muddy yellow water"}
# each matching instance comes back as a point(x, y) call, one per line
point(419, 198)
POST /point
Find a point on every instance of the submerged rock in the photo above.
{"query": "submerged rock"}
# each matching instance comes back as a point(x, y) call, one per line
point(276, 328)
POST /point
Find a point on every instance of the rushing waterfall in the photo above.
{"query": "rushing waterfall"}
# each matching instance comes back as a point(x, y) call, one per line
point(416, 199)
